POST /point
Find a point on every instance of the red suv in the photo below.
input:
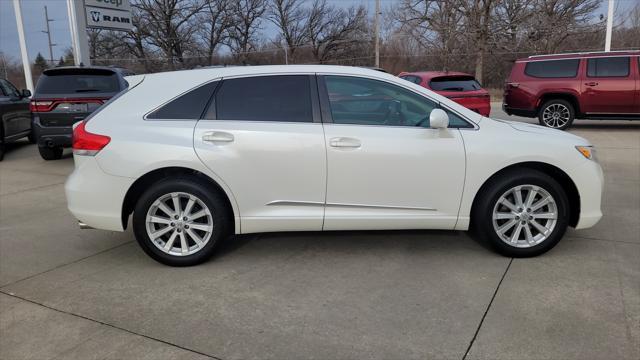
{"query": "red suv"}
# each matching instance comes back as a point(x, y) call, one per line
point(459, 87)
point(560, 88)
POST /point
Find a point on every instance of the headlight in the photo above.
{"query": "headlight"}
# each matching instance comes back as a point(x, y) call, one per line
point(587, 151)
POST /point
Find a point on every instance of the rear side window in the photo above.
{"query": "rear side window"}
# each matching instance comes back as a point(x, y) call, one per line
point(608, 67)
point(189, 106)
point(455, 83)
point(67, 82)
point(265, 98)
point(411, 78)
point(553, 68)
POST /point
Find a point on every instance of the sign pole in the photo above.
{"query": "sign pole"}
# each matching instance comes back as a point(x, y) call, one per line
point(78, 27)
point(23, 46)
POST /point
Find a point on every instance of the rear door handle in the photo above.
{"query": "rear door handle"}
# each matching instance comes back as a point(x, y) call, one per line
point(344, 142)
point(217, 136)
point(593, 83)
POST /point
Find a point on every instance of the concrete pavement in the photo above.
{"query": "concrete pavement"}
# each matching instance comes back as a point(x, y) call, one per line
point(70, 293)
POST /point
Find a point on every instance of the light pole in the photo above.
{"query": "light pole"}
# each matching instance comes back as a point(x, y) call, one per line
point(23, 46)
point(377, 34)
point(607, 42)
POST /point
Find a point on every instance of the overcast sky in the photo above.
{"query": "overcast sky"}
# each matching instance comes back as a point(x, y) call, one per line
point(33, 16)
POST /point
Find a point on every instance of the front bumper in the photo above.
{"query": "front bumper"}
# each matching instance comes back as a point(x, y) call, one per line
point(590, 184)
point(94, 197)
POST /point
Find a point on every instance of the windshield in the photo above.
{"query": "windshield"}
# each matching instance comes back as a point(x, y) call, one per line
point(455, 83)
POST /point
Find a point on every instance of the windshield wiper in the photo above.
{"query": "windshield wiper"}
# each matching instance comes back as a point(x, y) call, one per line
point(87, 90)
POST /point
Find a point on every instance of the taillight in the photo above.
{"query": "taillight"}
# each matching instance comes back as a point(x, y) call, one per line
point(40, 106)
point(86, 143)
point(50, 104)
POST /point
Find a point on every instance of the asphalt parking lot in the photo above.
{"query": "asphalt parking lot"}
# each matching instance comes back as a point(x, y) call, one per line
point(83, 294)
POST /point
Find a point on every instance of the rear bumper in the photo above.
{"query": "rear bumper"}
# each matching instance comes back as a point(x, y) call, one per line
point(519, 112)
point(94, 197)
point(51, 136)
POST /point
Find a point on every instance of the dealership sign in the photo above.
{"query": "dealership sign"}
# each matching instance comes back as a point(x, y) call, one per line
point(108, 14)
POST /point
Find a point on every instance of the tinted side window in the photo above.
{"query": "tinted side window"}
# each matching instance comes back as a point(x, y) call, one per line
point(265, 98)
point(413, 79)
point(362, 101)
point(552, 68)
point(188, 106)
point(8, 89)
point(606, 67)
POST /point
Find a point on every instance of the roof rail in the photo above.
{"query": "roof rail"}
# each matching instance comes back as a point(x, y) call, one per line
point(584, 53)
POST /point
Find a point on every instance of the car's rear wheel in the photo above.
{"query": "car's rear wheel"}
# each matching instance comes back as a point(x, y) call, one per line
point(521, 213)
point(556, 114)
point(50, 153)
point(179, 221)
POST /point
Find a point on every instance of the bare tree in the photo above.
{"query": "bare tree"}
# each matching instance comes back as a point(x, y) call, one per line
point(478, 16)
point(332, 30)
point(553, 21)
point(434, 25)
point(214, 22)
point(247, 15)
point(291, 19)
point(168, 25)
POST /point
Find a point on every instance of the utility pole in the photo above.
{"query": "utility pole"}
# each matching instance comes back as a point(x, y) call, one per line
point(48, 32)
point(607, 42)
point(377, 34)
point(23, 46)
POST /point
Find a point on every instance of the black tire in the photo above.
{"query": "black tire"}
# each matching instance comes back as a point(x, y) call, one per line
point(221, 216)
point(50, 153)
point(558, 104)
point(32, 137)
point(482, 213)
point(2, 146)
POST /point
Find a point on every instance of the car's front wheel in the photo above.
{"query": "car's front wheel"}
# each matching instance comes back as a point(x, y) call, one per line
point(556, 114)
point(179, 221)
point(522, 213)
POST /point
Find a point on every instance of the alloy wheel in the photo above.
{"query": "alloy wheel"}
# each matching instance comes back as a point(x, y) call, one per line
point(179, 224)
point(525, 216)
point(556, 116)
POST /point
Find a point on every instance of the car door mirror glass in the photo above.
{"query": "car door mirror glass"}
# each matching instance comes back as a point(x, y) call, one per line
point(438, 119)
point(25, 93)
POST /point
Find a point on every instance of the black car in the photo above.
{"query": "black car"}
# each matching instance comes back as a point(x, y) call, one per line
point(66, 95)
point(15, 121)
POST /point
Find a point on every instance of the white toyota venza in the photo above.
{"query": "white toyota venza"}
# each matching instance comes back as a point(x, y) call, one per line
point(199, 155)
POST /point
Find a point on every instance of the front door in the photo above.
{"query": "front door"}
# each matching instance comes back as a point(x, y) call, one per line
point(609, 86)
point(386, 168)
point(263, 136)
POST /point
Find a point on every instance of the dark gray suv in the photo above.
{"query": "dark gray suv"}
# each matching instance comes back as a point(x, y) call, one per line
point(15, 121)
point(66, 95)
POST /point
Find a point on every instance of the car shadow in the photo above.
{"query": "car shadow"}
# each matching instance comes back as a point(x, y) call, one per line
point(354, 241)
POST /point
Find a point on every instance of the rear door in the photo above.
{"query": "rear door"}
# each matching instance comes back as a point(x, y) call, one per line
point(263, 136)
point(609, 86)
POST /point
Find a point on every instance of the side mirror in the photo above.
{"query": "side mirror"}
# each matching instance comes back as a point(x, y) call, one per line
point(438, 119)
point(24, 93)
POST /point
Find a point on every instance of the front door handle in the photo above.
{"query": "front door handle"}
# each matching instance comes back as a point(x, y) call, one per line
point(592, 83)
point(217, 136)
point(344, 142)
